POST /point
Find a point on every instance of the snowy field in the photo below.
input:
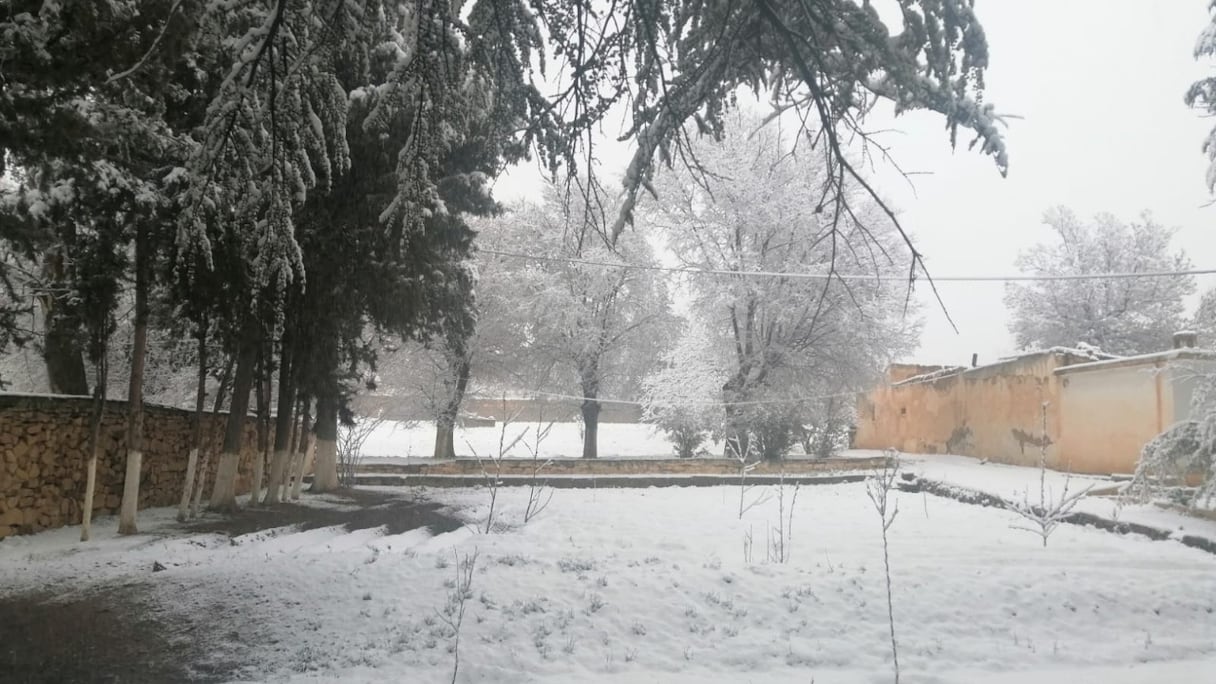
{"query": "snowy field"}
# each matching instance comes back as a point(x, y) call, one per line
point(564, 440)
point(654, 585)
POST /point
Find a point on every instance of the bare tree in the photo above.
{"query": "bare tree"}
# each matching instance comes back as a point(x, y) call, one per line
point(540, 495)
point(491, 472)
point(1045, 515)
point(351, 436)
point(453, 611)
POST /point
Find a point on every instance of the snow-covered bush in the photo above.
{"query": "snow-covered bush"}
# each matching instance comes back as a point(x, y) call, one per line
point(1178, 464)
point(827, 431)
point(1173, 460)
point(681, 398)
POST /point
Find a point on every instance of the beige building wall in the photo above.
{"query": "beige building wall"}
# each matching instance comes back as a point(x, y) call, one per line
point(991, 412)
point(1111, 409)
point(1100, 414)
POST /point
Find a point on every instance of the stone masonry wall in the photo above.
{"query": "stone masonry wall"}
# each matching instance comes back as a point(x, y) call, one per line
point(44, 444)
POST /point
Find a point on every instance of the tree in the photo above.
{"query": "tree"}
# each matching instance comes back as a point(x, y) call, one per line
point(786, 341)
point(596, 318)
point(1204, 320)
point(679, 396)
point(1117, 315)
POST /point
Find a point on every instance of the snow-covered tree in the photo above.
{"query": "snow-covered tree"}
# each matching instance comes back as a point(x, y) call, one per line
point(680, 396)
point(1183, 454)
point(594, 319)
point(1203, 321)
point(786, 340)
point(1116, 315)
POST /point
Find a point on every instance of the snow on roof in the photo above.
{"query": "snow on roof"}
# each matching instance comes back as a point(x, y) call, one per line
point(1085, 352)
point(927, 377)
point(1141, 359)
point(1094, 355)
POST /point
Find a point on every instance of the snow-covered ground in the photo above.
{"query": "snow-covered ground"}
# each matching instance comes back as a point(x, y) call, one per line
point(564, 440)
point(653, 585)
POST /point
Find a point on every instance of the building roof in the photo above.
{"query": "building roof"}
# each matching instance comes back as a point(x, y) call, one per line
point(1086, 354)
point(1153, 359)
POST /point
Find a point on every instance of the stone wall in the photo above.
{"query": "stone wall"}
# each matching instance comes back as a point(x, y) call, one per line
point(44, 444)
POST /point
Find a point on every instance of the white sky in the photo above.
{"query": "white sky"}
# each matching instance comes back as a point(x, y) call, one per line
point(1098, 85)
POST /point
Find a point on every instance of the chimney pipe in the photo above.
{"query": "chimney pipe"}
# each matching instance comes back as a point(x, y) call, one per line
point(975, 359)
point(1185, 339)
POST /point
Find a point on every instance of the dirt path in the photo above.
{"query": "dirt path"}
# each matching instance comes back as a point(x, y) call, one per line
point(119, 634)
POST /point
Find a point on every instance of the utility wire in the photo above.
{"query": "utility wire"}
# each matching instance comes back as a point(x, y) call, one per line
point(850, 276)
point(630, 402)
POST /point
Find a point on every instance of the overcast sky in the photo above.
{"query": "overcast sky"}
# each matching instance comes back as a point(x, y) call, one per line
point(1098, 85)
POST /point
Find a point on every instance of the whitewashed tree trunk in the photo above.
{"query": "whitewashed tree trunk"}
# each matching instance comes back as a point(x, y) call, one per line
point(200, 484)
point(325, 475)
point(196, 427)
point(279, 463)
point(135, 390)
point(259, 470)
point(90, 484)
point(130, 501)
point(302, 465)
point(223, 492)
point(183, 508)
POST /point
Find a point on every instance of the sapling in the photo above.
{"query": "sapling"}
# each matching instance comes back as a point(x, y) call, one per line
point(1044, 517)
point(748, 461)
point(878, 488)
point(540, 495)
point(779, 550)
point(351, 437)
point(459, 593)
point(492, 475)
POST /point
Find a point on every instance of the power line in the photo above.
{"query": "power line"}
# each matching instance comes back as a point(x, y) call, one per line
point(850, 276)
point(631, 402)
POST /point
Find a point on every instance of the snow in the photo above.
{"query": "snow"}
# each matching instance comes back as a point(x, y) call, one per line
point(651, 585)
point(565, 440)
point(1186, 354)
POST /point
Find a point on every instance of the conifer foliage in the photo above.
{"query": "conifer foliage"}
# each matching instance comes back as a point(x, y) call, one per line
point(283, 166)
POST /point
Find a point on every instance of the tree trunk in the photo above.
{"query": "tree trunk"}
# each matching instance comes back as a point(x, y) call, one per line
point(221, 392)
point(135, 391)
point(196, 425)
point(591, 425)
point(90, 486)
point(64, 360)
point(303, 445)
point(284, 424)
point(207, 448)
point(223, 493)
point(445, 422)
point(325, 475)
point(263, 408)
point(61, 349)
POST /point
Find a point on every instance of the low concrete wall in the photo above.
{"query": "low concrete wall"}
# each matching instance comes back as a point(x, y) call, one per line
point(44, 444)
